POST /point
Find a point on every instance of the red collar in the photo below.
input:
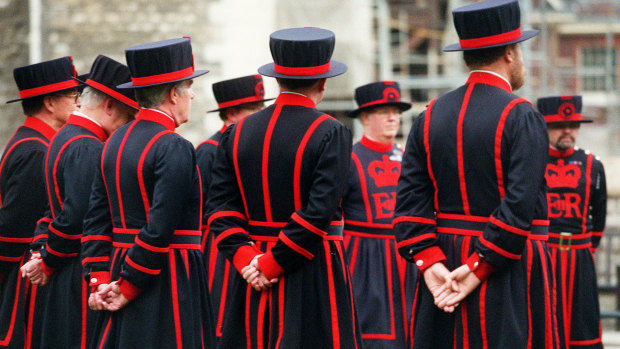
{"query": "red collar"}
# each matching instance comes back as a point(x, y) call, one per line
point(224, 127)
point(376, 146)
point(156, 116)
point(561, 154)
point(295, 99)
point(89, 125)
point(36, 124)
point(480, 77)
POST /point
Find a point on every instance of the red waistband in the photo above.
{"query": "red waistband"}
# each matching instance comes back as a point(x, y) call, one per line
point(182, 239)
point(469, 225)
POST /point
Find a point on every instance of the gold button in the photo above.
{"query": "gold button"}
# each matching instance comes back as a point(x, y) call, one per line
point(419, 262)
point(93, 280)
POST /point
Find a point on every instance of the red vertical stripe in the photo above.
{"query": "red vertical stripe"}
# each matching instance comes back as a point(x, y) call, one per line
point(9, 333)
point(223, 294)
point(547, 295)
point(84, 313)
point(498, 146)
point(260, 326)
point(298, 157)
point(464, 312)
point(360, 171)
point(459, 148)
point(105, 332)
point(347, 279)
point(586, 201)
point(483, 315)
point(332, 297)
point(265, 163)
point(29, 324)
point(248, 330)
point(563, 283)
point(401, 264)
point(529, 294)
point(280, 310)
point(212, 260)
point(175, 300)
point(388, 263)
point(118, 173)
point(571, 288)
point(236, 164)
point(353, 261)
point(145, 152)
point(427, 146)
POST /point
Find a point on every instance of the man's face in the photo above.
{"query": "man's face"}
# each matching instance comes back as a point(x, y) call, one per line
point(233, 115)
point(518, 72)
point(562, 135)
point(381, 123)
point(184, 105)
point(65, 102)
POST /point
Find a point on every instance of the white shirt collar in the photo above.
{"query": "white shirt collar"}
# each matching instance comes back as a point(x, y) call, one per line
point(492, 73)
point(295, 93)
point(75, 112)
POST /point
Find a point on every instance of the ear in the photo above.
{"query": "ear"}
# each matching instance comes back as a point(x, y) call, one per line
point(510, 55)
point(108, 106)
point(322, 84)
point(49, 103)
point(364, 117)
point(174, 94)
point(231, 112)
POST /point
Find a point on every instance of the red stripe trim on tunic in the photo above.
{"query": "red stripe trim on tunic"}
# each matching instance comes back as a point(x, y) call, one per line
point(150, 247)
point(547, 295)
point(462, 217)
point(304, 223)
point(63, 235)
point(145, 152)
point(208, 141)
point(353, 261)
point(248, 302)
point(529, 295)
point(464, 255)
point(141, 268)
point(302, 71)
point(459, 148)
point(332, 298)
point(362, 176)
point(105, 333)
point(224, 293)
point(587, 195)
point(40, 126)
point(60, 254)
point(6, 155)
point(96, 238)
point(507, 227)
point(221, 214)
point(427, 147)
point(261, 319)
point(299, 157)
point(48, 186)
point(175, 300)
point(39, 237)
point(497, 249)
point(415, 239)
point(15, 240)
point(367, 224)
point(390, 294)
point(411, 219)
point(10, 259)
point(236, 164)
point(491, 39)
point(200, 217)
point(95, 259)
point(29, 326)
point(265, 161)
point(295, 247)
point(118, 172)
point(84, 309)
point(498, 145)
point(597, 233)
point(483, 315)
point(369, 235)
point(585, 342)
point(228, 232)
point(55, 168)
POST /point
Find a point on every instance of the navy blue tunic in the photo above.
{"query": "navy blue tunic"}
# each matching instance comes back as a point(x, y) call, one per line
point(23, 201)
point(143, 229)
point(472, 183)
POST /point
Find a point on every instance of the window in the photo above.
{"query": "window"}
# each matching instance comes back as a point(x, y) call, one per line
point(594, 68)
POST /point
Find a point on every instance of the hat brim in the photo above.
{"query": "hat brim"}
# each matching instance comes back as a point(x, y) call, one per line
point(43, 94)
point(582, 121)
point(335, 68)
point(84, 83)
point(236, 105)
point(403, 106)
point(196, 74)
point(527, 34)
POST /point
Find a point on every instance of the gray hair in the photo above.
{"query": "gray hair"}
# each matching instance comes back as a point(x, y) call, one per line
point(92, 98)
point(154, 96)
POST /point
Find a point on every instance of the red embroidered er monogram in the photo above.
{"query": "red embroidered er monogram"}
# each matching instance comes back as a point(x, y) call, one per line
point(384, 172)
point(563, 176)
point(564, 205)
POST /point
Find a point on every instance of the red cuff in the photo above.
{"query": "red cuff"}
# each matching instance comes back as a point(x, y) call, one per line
point(47, 270)
point(243, 256)
point(481, 268)
point(268, 265)
point(428, 257)
point(99, 277)
point(129, 290)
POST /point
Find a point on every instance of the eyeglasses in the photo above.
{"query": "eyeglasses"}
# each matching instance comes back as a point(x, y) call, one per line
point(74, 95)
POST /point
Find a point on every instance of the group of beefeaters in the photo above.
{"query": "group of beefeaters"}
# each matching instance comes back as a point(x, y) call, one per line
point(277, 232)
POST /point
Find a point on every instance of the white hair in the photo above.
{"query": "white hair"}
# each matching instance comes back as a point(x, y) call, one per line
point(92, 98)
point(154, 96)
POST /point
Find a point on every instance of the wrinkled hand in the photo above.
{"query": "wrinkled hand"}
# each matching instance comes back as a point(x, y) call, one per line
point(252, 274)
point(112, 297)
point(33, 271)
point(466, 282)
point(435, 279)
point(95, 301)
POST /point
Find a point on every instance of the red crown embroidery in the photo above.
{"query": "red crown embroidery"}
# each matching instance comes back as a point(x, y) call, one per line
point(259, 89)
point(562, 176)
point(384, 172)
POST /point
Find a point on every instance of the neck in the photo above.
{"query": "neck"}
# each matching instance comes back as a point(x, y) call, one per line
point(314, 94)
point(498, 68)
point(96, 114)
point(49, 119)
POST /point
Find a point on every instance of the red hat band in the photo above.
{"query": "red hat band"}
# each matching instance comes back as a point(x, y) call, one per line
point(302, 71)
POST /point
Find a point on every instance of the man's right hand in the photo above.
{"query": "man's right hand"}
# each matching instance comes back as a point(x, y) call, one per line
point(435, 278)
point(252, 274)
